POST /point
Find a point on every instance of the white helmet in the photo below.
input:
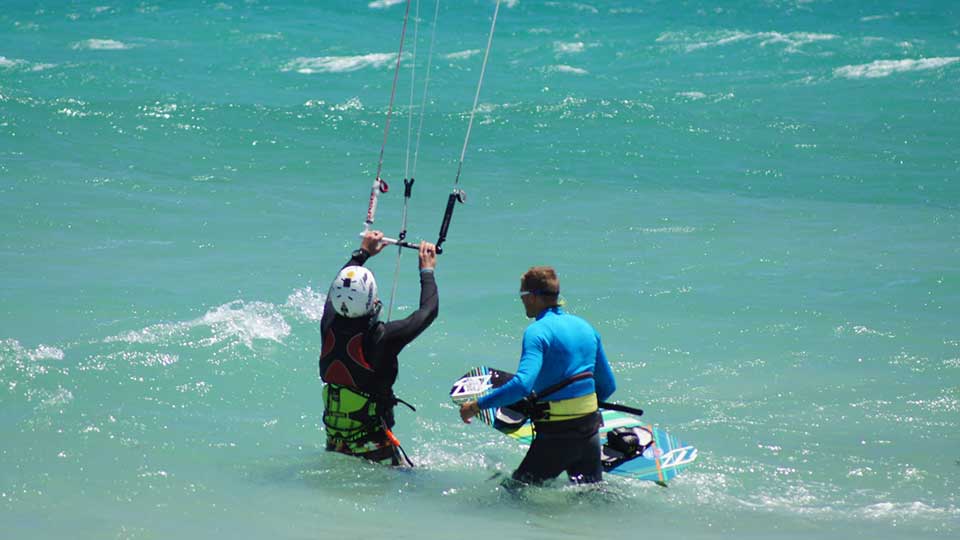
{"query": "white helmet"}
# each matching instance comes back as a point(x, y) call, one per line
point(354, 292)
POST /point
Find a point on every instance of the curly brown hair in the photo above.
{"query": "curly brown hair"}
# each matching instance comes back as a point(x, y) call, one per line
point(541, 280)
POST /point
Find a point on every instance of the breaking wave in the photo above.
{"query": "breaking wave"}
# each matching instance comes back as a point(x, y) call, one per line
point(563, 68)
point(382, 4)
point(792, 40)
point(885, 68)
point(236, 322)
point(462, 55)
point(338, 64)
point(7, 63)
point(560, 47)
point(102, 45)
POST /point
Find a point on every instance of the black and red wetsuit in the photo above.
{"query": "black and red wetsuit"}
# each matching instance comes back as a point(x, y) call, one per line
point(359, 356)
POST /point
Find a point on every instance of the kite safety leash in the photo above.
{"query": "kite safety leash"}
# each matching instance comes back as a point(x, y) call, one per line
point(398, 450)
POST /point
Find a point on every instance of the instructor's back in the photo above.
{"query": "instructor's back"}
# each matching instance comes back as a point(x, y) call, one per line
point(564, 373)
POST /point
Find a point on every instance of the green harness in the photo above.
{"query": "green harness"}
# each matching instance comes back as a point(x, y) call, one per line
point(350, 416)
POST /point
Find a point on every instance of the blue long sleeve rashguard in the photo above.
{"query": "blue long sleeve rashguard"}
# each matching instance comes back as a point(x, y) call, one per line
point(556, 347)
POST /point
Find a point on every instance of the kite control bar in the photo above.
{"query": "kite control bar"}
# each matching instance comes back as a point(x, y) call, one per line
point(395, 242)
point(457, 196)
point(401, 243)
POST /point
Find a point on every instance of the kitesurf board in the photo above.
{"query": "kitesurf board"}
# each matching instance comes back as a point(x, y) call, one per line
point(663, 457)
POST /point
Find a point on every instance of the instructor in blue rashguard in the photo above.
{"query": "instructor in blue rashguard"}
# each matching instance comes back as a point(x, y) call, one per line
point(558, 349)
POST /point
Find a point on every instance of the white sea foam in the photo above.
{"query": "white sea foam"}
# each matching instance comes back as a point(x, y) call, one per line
point(268, 37)
point(152, 334)
point(27, 363)
point(159, 110)
point(102, 45)
point(8, 63)
point(563, 68)
point(237, 322)
point(160, 359)
point(201, 388)
point(692, 95)
point(792, 40)
point(665, 230)
point(870, 331)
point(887, 510)
point(308, 301)
point(878, 17)
point(566, 104)
point(574, 47)
point(381, 4)
point(861, 330)
point(18, 353)
point(462, 55)
point(885, 68)
point(45, 352)
point(245, 323)
point(338, 64)
point(578, 7)
point(73, 113)
point(352, 104)
point(58, 398)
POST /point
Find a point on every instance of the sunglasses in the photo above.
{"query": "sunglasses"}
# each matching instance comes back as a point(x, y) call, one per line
point(536, 292)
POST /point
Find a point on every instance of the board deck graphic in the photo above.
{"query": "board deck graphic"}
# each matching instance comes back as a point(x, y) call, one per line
point(659, 457)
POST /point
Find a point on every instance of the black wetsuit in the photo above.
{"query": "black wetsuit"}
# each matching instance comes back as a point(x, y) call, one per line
point(571, 446)
point(378, 362)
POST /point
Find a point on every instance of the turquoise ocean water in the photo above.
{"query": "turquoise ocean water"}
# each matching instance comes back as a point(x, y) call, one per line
point(755, 202)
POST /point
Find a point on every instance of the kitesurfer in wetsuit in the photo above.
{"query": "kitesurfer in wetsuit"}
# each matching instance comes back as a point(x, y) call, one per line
point(559, 349)
point(358, 361)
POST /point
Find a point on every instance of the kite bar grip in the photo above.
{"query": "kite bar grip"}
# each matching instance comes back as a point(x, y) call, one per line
point(395, 242)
